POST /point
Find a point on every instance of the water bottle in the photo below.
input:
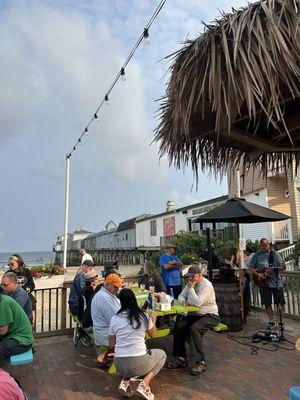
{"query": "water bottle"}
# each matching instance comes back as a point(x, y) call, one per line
point(172, 295)
point(150, 301)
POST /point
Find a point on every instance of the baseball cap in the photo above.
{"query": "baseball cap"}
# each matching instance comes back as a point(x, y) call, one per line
point(88, 263)
point(114, 279)
point(91, 276)
point(193, 270)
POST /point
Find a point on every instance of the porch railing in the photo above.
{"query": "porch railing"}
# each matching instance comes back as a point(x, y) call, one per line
point(52, 315)
point(291, 287)
point(281, 231)
point(53, 318)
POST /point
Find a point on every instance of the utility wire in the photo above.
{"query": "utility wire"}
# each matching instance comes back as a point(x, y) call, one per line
point(144, 35)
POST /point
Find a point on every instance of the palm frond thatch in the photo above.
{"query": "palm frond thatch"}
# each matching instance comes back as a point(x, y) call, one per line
point(233, 91)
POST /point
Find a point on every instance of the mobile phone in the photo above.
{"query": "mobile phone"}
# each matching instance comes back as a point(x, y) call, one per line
point(145, 306)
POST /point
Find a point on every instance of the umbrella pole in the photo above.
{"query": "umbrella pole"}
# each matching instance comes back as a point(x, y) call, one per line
point(208, 245)
point(240, 272)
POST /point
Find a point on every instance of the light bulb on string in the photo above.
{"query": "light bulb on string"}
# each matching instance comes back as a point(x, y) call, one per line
point(146, 36)
point(86, 131)
point(106, 100)
point(123, 76)
point(74, 148)
point(79, 141)
point(96, 117)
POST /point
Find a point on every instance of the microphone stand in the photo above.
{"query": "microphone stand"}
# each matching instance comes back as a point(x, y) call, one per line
point(276, 270)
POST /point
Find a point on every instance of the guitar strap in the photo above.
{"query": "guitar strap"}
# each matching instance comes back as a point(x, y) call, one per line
point(271, 258)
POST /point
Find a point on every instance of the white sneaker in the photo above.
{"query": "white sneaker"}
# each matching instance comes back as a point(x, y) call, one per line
point(145, 391)
point(124, 388)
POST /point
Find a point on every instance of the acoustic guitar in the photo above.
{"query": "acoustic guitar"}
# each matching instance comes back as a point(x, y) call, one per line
point(262, 281)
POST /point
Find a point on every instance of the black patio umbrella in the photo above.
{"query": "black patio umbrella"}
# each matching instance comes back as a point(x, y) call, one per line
point(240, 211)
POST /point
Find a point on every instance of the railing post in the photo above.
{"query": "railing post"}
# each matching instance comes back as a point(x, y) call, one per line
point(63, 308)
point(290, 232)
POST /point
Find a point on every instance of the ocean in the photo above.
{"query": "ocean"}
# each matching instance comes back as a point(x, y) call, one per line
point(31, 258)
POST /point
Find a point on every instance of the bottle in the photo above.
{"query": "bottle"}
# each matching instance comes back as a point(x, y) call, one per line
point(150, 301)
point(172, 295)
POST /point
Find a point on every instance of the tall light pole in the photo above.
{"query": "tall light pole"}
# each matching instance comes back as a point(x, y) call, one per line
point(65, 251)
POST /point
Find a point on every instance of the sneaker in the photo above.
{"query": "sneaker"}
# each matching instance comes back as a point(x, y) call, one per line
point(271, 325)
point(145, 391)
point(281, 326)
point(199, 368)
point(124, 388)
point(76, 336)
point(86, 340)
point(177, 362)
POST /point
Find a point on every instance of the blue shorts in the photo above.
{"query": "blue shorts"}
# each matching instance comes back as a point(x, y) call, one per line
point(268, 294)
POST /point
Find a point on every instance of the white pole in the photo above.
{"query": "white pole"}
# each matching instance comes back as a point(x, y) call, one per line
point(66, 211)
point(240, 226)
point(238, 183)
point(241, 252)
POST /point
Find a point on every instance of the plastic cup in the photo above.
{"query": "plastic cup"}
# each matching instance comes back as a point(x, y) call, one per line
point(151, 289)
point(142, 287)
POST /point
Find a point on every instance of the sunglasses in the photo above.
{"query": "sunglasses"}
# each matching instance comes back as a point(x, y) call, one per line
point(5, 284)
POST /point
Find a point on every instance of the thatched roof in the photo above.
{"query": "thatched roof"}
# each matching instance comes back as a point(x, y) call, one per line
point(234, 93)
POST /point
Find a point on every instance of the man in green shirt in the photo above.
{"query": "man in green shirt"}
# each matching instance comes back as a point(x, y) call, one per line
point(15, 329)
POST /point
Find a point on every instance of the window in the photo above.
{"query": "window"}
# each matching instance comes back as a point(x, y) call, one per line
point(153, 231)
point(126, 236)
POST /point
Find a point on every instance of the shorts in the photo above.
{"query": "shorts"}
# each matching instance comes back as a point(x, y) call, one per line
point(268, 294)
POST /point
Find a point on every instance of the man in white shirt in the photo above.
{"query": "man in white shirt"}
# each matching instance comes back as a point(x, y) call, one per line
point(198, 292)
point(105, 305)
point(85, 256)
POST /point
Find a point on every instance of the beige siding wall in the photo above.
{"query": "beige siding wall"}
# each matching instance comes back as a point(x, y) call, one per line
point(294, 202)
point(276, 187)
point(277, 200)
point(251, 181)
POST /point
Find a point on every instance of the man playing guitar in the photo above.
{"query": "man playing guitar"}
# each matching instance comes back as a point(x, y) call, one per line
point(265, 265)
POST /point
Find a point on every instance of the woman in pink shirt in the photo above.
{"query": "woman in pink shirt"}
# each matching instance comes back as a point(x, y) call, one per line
point(9, 388)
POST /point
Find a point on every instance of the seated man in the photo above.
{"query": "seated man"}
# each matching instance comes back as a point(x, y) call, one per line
point(198, 292)
point(92, 286)
point(76, 302)
point(105, 305)
point(11, 287)
point(15, 329)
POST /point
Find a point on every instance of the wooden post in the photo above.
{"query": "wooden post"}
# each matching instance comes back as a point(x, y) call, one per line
point(240, 272)
point(63, 308)
point(210, 269)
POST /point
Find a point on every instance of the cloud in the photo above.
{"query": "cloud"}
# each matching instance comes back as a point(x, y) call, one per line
point(58, 65)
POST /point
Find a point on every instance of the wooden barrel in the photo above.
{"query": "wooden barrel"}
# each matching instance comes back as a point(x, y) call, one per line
point(228, 300)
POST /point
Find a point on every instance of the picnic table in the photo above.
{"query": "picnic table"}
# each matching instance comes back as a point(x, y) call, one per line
point(176, 308)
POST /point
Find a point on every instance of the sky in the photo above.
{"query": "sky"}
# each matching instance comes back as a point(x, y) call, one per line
point(58, 58)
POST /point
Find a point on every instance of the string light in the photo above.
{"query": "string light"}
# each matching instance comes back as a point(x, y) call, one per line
point(146, 36)
point(123, 76)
